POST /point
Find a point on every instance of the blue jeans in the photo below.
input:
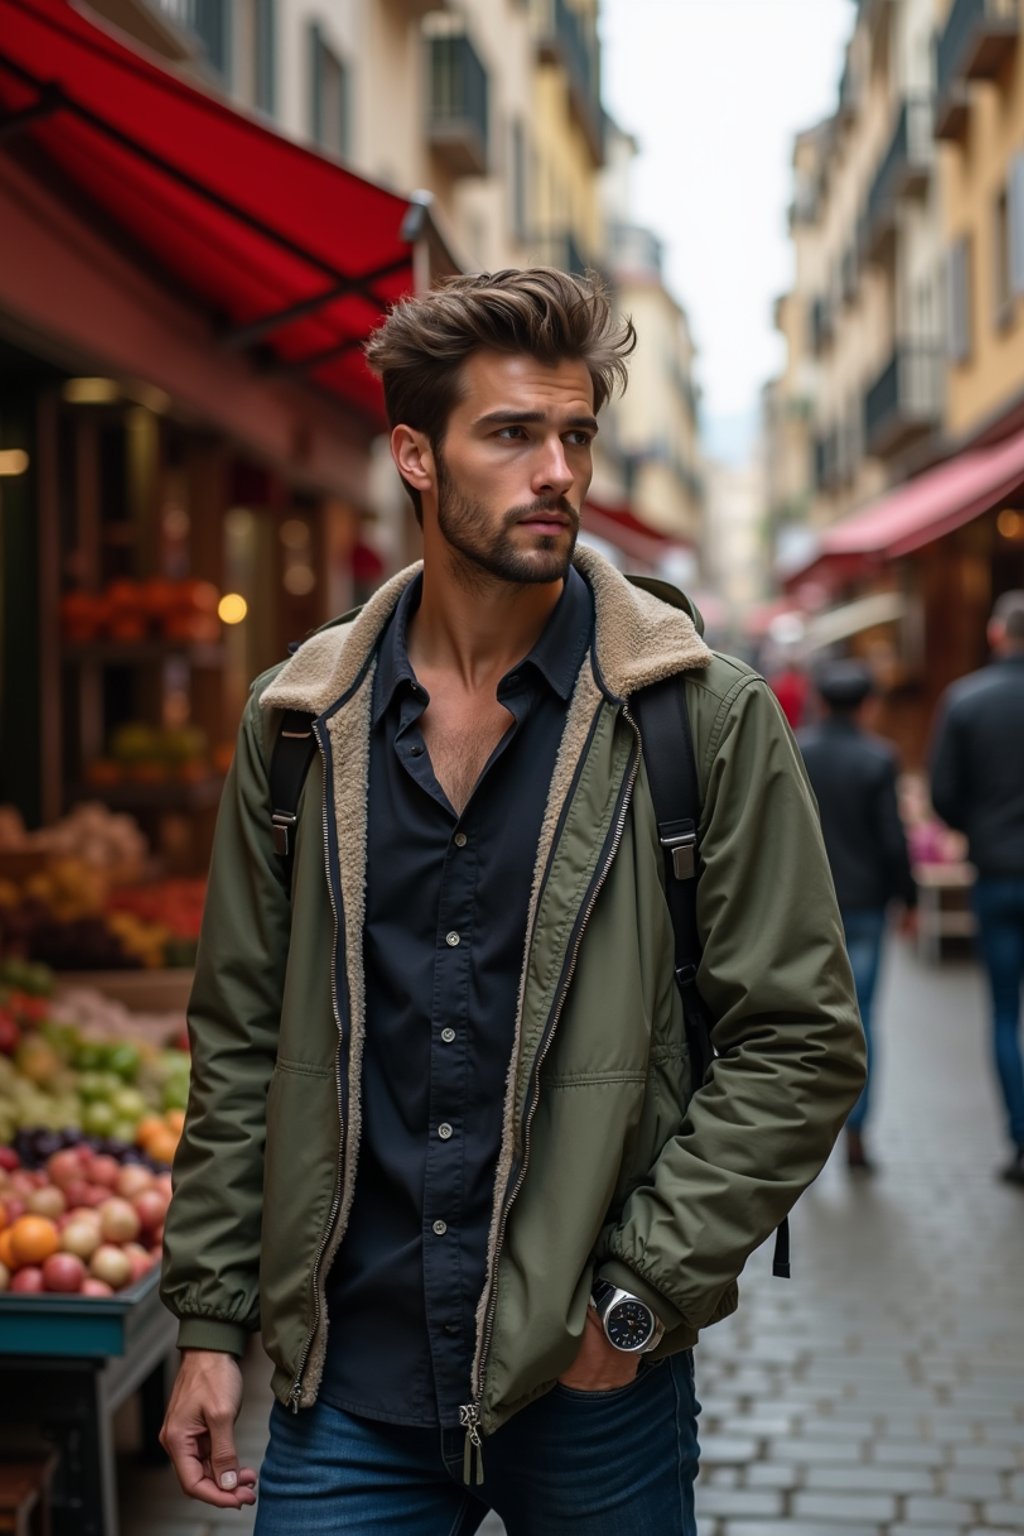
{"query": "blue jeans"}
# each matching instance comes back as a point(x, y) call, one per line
point(570, 1464)
point(864, 932)
point(999, 908)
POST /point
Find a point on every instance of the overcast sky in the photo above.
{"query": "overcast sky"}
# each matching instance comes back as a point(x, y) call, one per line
point(715, 90)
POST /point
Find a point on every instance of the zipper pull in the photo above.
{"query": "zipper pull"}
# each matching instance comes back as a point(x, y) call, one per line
point(473, 1455)
point(294, 1395)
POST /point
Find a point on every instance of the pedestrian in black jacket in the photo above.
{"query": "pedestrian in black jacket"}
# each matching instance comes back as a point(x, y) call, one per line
point(978, 788)
point(853, 775)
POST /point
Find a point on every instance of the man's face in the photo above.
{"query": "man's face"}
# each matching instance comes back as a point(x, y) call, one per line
point(515, 466)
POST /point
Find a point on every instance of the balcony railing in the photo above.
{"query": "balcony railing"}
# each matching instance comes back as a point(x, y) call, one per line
point(905, 169)
point(822, 329)
point(567, 37)
point(978, 37)
point(905, 402)
point(457, 111)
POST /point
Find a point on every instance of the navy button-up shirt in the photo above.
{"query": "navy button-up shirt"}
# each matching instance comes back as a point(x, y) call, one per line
point(446, 906)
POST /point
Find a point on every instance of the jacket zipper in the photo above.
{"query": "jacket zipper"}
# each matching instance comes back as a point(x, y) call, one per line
point(469, 1415)
point(296, 1392)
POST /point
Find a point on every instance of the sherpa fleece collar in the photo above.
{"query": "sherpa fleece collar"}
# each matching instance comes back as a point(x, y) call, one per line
point(639, 639)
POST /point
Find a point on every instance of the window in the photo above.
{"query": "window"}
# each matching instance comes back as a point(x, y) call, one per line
point(329, 95)
point(1002, 293)
point(252, 48)
point(518, 181)
point(958, 300)
point(210, 20)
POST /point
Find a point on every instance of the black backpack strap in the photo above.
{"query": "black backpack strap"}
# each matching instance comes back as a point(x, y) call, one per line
point(289, 764)
point(671, 764)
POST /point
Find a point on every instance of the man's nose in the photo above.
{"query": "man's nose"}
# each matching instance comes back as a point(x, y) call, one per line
point(552, 473)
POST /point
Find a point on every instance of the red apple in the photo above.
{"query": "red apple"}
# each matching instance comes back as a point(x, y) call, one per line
point(93, 1287)
point(151, 1208)
point(104, 1170)
point(63, 1272)
point(119, 1220)
point(27, 1281)
point(140, 1259)
point(15, 1207)
point(65, 1167)
point(76, 1191)
point(112, 1265)
point(9, 1159)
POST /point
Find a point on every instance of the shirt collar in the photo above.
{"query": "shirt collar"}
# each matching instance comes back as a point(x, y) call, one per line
point(557, 656)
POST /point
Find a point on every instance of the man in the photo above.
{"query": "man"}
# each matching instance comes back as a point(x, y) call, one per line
point(443, 1146)
point(853, 775)
point(978, 788)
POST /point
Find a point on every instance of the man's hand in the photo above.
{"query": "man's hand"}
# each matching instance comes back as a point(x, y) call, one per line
point(199, 1430)
point(599, 1366)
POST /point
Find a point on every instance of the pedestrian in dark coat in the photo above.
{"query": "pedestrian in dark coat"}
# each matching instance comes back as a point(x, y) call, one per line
point(978, 788)
point(853, 775)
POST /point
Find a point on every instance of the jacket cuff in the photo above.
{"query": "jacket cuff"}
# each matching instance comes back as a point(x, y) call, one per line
point(617, 1273)
point(212, 1333)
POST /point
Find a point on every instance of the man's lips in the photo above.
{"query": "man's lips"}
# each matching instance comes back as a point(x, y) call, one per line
point(546, 522)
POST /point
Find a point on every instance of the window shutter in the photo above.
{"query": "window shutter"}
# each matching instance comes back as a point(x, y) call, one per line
point(1016, 225)
point(958, 302)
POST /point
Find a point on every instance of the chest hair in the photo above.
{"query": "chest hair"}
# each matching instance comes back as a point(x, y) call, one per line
point(460, 739)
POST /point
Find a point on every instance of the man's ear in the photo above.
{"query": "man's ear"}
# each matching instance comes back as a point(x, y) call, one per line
point(414, 457)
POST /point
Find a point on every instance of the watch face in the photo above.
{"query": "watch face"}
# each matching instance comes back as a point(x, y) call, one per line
point(629, 1324)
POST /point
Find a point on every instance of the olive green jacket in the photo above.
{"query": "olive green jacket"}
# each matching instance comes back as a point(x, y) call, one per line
point(609, 1157)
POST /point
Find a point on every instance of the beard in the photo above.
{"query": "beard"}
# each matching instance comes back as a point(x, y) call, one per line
point(477, 551)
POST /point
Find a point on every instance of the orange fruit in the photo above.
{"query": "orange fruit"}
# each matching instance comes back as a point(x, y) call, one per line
point(163, 1147)
point(175, 1119)
point(6, 1256)
point(148, 1127)
point(33, 1239)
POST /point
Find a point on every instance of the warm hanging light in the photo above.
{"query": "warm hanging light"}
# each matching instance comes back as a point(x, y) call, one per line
point(232, 608)
point(1010, 523)
point(13, 461)
point(91, 391)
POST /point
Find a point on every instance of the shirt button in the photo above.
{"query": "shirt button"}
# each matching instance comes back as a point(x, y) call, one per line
point(460, 839)
point(451, 1329)
point(447, 1034)
point(440, 1228)
point(452, 940)
point(416, 751)
point(444, 1130)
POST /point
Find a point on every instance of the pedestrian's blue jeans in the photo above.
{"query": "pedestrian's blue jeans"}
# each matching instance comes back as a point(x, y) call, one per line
point(618, 1463)
point(864, 932)
point(999, 908)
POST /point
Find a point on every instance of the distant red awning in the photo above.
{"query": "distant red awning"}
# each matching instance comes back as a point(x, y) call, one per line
point(636, 539)
point(285, 250)
point(935, 504)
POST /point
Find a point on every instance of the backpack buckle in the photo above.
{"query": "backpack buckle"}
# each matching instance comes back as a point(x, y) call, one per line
point(682, 845)
point(282, 822)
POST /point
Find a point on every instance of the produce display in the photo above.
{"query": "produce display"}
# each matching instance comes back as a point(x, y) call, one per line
point(126, 612)
point(64, 900)
point(84, 1223)
point(144, 754)
point(81, 1069)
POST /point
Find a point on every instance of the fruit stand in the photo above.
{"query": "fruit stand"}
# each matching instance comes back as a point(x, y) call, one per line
point(92, 1098)
point(67, 1363)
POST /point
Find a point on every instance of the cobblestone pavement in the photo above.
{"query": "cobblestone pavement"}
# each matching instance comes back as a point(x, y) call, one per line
point(881, 1391)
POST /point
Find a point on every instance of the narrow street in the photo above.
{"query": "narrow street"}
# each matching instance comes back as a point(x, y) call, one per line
point(881, 1391)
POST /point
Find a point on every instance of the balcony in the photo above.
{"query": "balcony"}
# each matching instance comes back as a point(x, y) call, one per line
point(978, 37)
point(822, 326)
point(825, 461)
point(568, 38)
point(905, 402)
point(457, 104)
point(560, 248)
point(905, 170)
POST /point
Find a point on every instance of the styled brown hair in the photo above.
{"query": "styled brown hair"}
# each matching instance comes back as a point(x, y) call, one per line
point(418, 351)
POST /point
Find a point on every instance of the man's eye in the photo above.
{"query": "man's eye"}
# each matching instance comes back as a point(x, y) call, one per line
point(579, 439)
point(511, 432)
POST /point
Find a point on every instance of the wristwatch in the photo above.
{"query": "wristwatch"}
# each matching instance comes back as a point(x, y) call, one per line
point(628, 1323)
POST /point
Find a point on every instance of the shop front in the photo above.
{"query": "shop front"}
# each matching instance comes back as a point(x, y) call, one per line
point(187, 435)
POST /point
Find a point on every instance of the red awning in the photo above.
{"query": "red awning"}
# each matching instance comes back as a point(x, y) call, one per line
point(284, 249)
point(621, 526)
point(936, 503)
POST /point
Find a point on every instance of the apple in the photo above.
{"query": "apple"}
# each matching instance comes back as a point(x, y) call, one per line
point(76, 1192)
point(151, 1208)
point(65, 1167)
point(81, 1235)
point(48, 1201)
point(63, 1272)
point(27, 1280)
point(104, 1170)
point(132, 1180)
point(140, 1258)
point(9, 1160)
point(15, 1207)
point(110, 1264)
point(93, 1287)
point(119, 1220)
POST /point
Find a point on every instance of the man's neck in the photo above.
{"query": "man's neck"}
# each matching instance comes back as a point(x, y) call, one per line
point(476, 631)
